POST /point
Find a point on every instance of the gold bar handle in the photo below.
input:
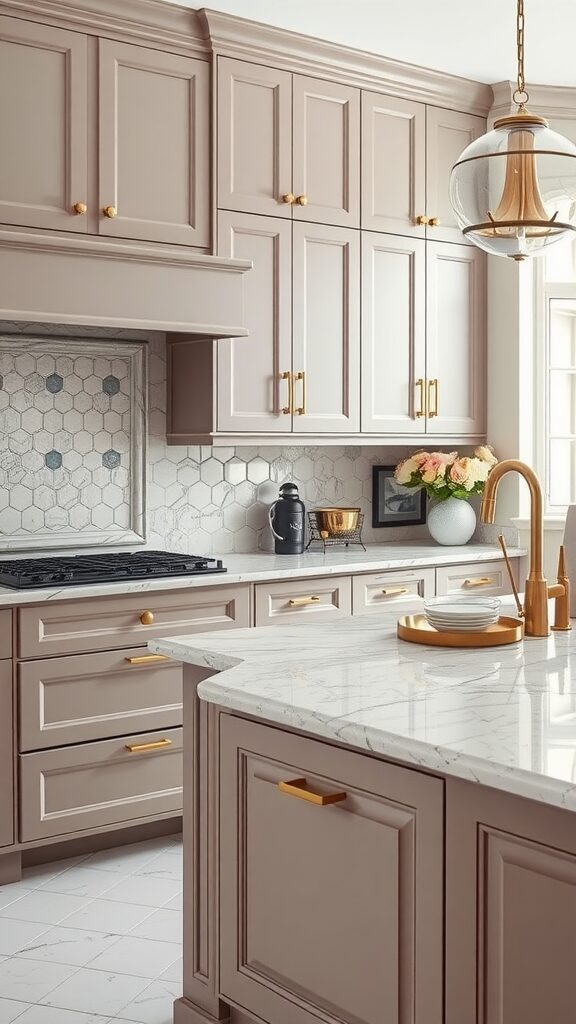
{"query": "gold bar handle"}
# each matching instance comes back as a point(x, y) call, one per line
point(296, 601)
point(300, 789)
point(483, 581)
point(147, 659)
point(301, 410)
point(422, 410)
point(394, 591)
point(140, 748)
point(288, 409)
point(432, 410)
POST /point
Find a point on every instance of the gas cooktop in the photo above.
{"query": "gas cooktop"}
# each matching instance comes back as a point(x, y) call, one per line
point(113, 567)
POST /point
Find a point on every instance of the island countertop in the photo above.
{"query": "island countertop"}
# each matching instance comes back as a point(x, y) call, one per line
point(504, 717)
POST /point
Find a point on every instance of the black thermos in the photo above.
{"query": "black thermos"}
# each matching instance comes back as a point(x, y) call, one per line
point(287, 521)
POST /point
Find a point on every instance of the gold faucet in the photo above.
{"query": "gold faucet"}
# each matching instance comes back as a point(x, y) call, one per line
point(537, 590)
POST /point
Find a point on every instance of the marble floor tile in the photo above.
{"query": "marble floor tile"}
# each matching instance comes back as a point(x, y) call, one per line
point(10, 893)
point(142, 958)
point(127, 859)
point(29, 980)
point(137, 889)
point(47, 907)
point(75, 946)
point(10, 1009)
point(95, 992)
point(36, 875)
point(173, 973)
point(162, 925)
point(104, 915)
point(154, 1005)
point(167, 865)
point(14, 935)
point(55, 1015)
point(175, 903)
point(81, 881)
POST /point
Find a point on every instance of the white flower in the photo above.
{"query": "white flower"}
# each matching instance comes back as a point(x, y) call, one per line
point(485, 453)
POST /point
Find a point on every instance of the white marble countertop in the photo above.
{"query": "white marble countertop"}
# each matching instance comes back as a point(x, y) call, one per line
point(261, 566)
point(504, 717)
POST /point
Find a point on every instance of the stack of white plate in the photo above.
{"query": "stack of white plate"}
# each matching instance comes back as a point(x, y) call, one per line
point(450, 615)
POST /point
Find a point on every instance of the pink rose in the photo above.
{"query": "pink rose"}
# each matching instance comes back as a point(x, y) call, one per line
point(446, 458)
point(432, 468)
point(460, 471)
point(419, 458)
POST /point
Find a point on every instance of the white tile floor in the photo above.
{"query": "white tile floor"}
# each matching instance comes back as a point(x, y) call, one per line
point(94, 939)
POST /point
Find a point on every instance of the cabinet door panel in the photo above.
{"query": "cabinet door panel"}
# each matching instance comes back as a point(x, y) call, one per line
point(254, 138)
point(393, 164)
point(456, 338)
point(43, 111)
point(6, 756)
point(448, 132)
point(153, 168)
point(393, 334)
point(326, 328)
point(328, 910)
point(251, 393)
point(326, 158)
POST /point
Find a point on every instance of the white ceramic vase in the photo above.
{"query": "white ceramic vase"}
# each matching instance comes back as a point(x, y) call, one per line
point(452, 521)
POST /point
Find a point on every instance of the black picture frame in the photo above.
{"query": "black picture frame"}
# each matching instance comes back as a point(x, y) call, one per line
point(393, 504)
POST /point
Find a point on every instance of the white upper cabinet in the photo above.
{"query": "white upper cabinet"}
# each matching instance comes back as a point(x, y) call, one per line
point(393, 165)
point(448, 132)
point(288, 145)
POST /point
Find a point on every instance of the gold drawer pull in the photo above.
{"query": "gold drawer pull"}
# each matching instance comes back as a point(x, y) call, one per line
point(434, 222)
point(110, 211)
point(140, 748)
point(147, 618)
point(302, 200)
point(482, 581)
point(432, 409)
point(299, 788)
point(422, 219)
point(147, 659)
point(80, 209)
point(394, 591)
point(289, 198)
point(295, 601)
point(422, 410)
point(301, 410)
point(288, 409)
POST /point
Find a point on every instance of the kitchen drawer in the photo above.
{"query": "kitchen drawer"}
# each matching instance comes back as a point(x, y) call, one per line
point(476, 579)
point(6, 633)
point(375, 591)
point(97, 624)
point(6, 756)
point(316, 600)
point(94, 784)
point(94, 696)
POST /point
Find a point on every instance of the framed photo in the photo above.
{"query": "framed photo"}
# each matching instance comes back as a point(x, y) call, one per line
point(393, 504)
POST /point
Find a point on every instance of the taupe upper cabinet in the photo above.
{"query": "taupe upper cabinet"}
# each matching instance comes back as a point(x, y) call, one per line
point(154, 157)
point(43, 130)
point(287, 145)
point(408, 150)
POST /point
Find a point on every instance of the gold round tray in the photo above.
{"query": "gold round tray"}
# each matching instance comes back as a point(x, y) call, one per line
point(417, 630)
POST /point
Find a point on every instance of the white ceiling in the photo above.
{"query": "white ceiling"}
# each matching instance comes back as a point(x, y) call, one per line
point(473, 38)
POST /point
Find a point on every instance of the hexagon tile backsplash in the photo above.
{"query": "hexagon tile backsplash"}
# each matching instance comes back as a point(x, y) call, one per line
point(79, 483)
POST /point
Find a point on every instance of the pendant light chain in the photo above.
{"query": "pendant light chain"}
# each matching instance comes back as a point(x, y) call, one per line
point(520, 95)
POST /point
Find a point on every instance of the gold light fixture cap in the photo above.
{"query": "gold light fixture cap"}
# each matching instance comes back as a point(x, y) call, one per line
point(521, 119)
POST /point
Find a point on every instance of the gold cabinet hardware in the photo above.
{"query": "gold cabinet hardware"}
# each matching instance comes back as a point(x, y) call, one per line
point(147, 659)
point(289, 198)
point(147, 618)
point(110, 211)
point(422, 219)
point(300, 789)
point(141, 748)
point(394, 591)
point(288, 409)
point(80, 208)
point(301, 410)
point(422, 410)
point(432, 387)
point(302, 200)
point(482, 581)
point(296, 601)
point(434, 222)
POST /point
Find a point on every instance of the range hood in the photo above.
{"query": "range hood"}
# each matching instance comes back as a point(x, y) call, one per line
point(81, 281)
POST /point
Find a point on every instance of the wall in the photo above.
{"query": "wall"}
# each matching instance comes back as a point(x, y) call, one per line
point(204, 499)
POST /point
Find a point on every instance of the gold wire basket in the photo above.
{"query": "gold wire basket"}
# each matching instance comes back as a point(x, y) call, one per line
point(326, 540)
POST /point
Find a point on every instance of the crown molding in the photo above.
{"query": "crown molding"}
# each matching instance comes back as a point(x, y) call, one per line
point(151, 22)
point(265, 44)
point(557, 101)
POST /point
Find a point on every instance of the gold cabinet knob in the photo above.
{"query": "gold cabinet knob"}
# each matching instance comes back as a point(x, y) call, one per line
point(147, 618)
point(80, 208)
point(422, 219)
point(302, 200)
point(289, 198)
point(434, 222)
point(110, 211)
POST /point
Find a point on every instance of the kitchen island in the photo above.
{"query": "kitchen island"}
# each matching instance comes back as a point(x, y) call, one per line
point(376, 831)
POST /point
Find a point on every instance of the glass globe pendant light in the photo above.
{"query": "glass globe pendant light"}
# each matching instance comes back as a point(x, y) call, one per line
point(513, 190)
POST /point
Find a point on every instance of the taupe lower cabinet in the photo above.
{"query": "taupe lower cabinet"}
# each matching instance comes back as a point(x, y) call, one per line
point(327, 911)
point(153, 172)
point(298, 371)
point(287, 145)
point(6, 756)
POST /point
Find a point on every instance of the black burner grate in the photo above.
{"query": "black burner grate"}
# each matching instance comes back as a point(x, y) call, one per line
point(108, 567)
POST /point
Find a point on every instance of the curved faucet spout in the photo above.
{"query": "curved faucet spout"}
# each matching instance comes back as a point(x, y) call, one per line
point(488, 508)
